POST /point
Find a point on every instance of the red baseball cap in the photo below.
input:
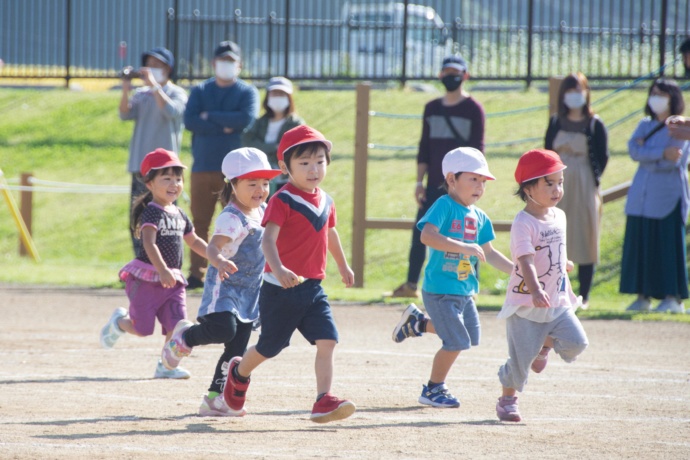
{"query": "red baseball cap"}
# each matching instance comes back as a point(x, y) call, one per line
point(159, 159)
point(301, 134)
point(537, 163)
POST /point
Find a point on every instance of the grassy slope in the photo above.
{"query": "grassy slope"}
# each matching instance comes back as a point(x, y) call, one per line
point(82, 239)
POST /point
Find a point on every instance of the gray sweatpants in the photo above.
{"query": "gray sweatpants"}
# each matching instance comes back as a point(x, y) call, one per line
point(526, 338)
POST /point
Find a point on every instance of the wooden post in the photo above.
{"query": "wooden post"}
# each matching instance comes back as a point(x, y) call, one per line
point(359, 207)
point(554, 86)
point(26, 204)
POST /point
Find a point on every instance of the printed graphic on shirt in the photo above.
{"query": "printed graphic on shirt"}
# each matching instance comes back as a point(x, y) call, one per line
point(467, 233)
point(316, 215)
point(171, 226)
point(544, 269)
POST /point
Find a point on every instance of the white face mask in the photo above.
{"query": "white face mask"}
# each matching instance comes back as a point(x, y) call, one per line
point(574, 100)
point(226, 70)
point(278, 103)
point(659, 104)
point(158, 75)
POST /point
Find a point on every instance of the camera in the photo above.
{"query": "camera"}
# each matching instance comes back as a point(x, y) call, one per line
point(129, 73)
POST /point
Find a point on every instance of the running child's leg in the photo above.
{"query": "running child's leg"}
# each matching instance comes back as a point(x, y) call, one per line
point(569, 337)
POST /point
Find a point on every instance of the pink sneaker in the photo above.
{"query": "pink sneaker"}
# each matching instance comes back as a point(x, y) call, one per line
point(235, 392)
point(176, 348)
point(539, 363)
point(507, 409)
point(329, 408)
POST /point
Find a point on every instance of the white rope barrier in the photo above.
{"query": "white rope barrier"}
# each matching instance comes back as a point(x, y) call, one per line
point(31, 188)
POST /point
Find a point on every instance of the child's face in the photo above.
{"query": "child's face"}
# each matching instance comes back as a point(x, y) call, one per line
point(467, 189)
point(548, 190)
point(307, 171)
point(250, 193)
point(166, 187)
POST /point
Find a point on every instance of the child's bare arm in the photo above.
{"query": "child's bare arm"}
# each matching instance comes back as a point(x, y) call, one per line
point(197, 244)
point(286, 278)
point(336, 250)
point(432, 237)
point(529, 273)
point(213, 253)
point(497, 259)
point(148, 240)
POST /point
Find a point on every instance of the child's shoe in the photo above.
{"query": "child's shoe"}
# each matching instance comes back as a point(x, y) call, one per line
point(176, 348)
point(329, 408)
point(507, 409)
point(216, 407)
point(539, 363)
point(111, 331)
point(177, 373)
point(408, 324)
point(640, 305)
point(235, 392)
point(438, 396)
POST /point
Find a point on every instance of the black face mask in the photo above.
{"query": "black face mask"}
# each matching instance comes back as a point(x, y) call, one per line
point(452, 82)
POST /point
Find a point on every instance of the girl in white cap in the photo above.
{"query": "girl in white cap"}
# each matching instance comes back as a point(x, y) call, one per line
point(229, 303)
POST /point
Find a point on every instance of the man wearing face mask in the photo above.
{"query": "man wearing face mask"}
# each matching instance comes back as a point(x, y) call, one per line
point(156, 108)
point(452, 121)
point(218, 111)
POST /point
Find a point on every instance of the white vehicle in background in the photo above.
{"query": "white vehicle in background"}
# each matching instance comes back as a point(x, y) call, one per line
point(372, 39)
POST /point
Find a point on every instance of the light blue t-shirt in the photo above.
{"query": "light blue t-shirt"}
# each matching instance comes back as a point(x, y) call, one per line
point(469, 225)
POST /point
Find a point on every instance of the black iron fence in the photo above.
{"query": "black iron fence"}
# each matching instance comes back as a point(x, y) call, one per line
point(347, 40)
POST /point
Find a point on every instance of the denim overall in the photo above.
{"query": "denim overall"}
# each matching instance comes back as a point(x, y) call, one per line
point(239, 293)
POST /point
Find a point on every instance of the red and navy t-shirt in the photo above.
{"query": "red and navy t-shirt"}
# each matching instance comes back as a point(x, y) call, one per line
point(304, 219)
point(171, 225)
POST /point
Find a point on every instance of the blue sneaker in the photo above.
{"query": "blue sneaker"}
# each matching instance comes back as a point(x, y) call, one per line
point(406, 326)
point(439, 396)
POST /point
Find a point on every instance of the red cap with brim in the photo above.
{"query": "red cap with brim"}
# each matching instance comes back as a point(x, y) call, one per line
point(160, 159)
point(261, 174)
point(537, 163)
point(299, 135)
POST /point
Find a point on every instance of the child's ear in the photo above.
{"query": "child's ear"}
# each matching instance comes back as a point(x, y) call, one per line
point(450, 178)
point(282, 166)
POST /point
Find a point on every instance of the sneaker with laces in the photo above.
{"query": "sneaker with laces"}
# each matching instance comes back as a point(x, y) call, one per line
point(539, 363)
point(640, 305)
point(438, 396)
point(177, 373)
point(216, 407)
point(234, 391)
point(406, 326)
point(176, 348)
point(670, 305)
point(111, 331)
point(507, 409)
point(406, 290)
point(329, 408)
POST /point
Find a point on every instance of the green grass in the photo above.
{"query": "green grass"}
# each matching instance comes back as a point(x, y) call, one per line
point(83, 239)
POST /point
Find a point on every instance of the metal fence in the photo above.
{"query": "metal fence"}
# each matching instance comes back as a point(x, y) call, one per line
point(347, 40)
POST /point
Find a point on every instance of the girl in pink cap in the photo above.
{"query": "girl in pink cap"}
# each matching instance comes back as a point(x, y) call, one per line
point(540, 305)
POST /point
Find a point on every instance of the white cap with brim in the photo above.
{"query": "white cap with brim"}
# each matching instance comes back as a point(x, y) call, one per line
point(247, 163)
point(466, 159)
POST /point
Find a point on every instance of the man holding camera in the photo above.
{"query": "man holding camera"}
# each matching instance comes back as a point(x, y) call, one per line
point(157, 109)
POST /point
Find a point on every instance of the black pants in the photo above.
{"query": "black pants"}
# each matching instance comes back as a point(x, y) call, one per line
point(417, 249)
point(222, 327)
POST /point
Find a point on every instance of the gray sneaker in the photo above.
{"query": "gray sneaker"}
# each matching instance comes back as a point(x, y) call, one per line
point(111, 331)
point(177, 373)
point(640, 305)
point(216, 407)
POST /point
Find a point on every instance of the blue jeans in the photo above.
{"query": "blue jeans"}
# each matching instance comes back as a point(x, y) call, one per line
point(455, 319)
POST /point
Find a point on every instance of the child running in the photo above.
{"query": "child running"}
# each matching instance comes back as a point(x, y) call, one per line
point(540, 304)
point(229, 304)
point(299, 229)
point(458, 235)
point(154, 283)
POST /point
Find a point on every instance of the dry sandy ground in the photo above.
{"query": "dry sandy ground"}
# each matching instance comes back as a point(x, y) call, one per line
point(62, 396)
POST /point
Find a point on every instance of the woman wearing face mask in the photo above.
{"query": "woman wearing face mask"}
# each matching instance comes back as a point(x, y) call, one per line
point(580, 139)
point(279, 117)
point(654, 251)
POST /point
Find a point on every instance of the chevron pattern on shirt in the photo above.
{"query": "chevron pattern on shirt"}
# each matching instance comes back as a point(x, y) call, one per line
point(317, 216)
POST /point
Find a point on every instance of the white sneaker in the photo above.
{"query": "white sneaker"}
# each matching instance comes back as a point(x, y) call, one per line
point(177, 373)
point(640, 305)
point(216, 407)
point(670, 305)
point(111, 331)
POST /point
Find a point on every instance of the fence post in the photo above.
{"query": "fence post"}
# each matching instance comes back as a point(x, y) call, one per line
point(403, 77)
point(68, 40)
point(662, 36)
point(554, 86)
point(530, 27)
point(26, 204)
point(359, 207)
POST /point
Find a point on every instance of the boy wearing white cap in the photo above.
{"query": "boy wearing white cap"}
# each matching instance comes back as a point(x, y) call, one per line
point(458, 234)
point(229, 305)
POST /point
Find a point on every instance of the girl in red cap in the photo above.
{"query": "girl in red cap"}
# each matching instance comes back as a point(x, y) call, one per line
point(153, 280)
point(540, 304)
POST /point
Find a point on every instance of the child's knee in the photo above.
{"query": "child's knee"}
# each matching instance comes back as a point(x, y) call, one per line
point(569, 351)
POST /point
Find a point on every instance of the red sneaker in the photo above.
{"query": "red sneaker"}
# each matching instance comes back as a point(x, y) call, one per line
point(539, 363)
point(234, 392)
point(329, 408)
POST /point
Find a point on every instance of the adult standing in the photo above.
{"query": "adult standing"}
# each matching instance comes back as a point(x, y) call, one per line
point(280, 116)
point(579, 137)
point(157, 110)
point(218, 111)
point(452, 121)
point(654, 251)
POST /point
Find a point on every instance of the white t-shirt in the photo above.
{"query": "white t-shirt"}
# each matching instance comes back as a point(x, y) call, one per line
point(273, 130)
point(546, 241)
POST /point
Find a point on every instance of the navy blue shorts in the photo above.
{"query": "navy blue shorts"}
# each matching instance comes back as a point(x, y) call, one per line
point(304, 308)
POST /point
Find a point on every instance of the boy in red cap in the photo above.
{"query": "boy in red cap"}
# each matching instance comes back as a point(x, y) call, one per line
point(540, 304)
point(299, 229)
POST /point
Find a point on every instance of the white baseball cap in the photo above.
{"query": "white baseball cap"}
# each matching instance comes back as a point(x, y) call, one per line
point(247, 163)
point(279, 83)
point(466, 159)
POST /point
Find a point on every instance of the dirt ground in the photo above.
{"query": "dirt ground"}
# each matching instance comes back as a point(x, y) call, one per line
point(62, 396)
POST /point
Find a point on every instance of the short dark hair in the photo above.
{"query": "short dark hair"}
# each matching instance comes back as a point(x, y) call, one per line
point(444, 184)
point(308, 148)
point(670, 87)
point(521, 189)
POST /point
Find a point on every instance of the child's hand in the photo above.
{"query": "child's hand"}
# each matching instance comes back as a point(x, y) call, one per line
point(167, 278)
point(474, 250)
point(226, 268)
point(347, 275)
point(540, 299)
point(286, 278)
point(569, 265)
